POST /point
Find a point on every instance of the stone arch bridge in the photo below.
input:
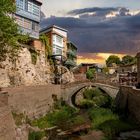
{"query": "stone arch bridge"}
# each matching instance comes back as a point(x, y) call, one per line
point(69, 90)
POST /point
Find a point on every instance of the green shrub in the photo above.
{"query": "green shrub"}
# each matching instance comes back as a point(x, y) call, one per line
point(85, 103)
point(101, 100)
point(62, 117)
point(90, 93)
point(36, 135)
point(110, 123)
point(90, 74)
point(41, 122)
point(113, 127)
point(100, 115)
point(95, 97)
point(77, 120)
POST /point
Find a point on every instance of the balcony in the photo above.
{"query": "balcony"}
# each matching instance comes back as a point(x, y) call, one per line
point(28, 15)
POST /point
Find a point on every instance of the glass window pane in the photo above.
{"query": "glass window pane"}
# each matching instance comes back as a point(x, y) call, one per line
point(59, 39)
point(20, 4)
point(30, 7)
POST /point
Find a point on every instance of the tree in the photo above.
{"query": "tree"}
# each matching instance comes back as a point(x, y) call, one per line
point(105, 70)
point(127, 59)
point(9, 33)
point(90, 74)
point(112, 59)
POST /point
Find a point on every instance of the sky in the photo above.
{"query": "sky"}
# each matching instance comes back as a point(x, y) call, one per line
point(96, 35)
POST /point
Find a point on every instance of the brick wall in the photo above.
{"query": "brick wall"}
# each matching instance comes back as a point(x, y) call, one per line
point(38, 45)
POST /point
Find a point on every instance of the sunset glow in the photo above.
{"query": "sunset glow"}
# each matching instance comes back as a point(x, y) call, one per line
point(95, 57)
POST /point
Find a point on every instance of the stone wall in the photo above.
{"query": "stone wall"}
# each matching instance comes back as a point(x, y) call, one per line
point(23, 71)
point(7, 131)
point(33, 101)
point(128, 101)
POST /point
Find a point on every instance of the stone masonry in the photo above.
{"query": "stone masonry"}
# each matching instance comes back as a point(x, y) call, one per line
point(7, 126)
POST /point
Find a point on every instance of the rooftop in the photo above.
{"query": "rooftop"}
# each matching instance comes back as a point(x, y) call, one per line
point(52, 26)
point(39, 1)
point(69, 42)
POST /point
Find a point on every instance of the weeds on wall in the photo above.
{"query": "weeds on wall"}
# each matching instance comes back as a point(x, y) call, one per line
point(48, 51)
point(34, 55)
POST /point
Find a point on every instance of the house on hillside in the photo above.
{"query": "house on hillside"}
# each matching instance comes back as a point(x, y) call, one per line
point(27, 17)
point(71, 55)
point(57, 38)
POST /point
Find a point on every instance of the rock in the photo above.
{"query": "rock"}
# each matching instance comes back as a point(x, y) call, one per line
point(23, 72)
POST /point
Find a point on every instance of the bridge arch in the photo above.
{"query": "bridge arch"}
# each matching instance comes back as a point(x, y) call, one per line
point(69, 92)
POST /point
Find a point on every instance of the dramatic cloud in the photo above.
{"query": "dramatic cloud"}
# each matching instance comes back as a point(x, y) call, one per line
point(95, 33)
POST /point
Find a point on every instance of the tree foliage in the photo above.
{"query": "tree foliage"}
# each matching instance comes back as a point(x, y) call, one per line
point(113, 59)
point(127, 59)
point(9, 32)
point(90, 74)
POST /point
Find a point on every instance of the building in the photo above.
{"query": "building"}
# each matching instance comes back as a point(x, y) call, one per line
point(127, 68)
point(57, 38)
point(28, 16)
point(71, 55)
point(84, 67)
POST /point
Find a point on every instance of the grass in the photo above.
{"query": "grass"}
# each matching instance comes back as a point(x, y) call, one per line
point(41, 123)
point(64, 118)
point(36, 135)
point(108, 122)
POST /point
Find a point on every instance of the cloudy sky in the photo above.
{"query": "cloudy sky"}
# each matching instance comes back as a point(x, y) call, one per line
point(98, 27)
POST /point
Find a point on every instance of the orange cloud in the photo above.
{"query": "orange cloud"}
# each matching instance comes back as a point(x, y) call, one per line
point(95, 57)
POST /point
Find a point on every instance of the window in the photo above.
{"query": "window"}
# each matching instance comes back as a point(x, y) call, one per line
point(29, 7)
point(59, 39)
point(33, 8)
point(57, 50)
point(20, 4)
point(36, 10)
point(35, 26)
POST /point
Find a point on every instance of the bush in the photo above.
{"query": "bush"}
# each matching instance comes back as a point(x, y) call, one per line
point(113, 127)
point(95, 97)
point(90, 74)
point(90, 93)
point(41, 122)
point(87, 103)
point(100, 115)
point(108, 122)
point(36, 135)
point(77, 120)
point(62, 117)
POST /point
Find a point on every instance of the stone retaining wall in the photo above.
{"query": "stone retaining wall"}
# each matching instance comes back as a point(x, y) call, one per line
point(33, 101)
point(7, 131)
point(128, 100)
